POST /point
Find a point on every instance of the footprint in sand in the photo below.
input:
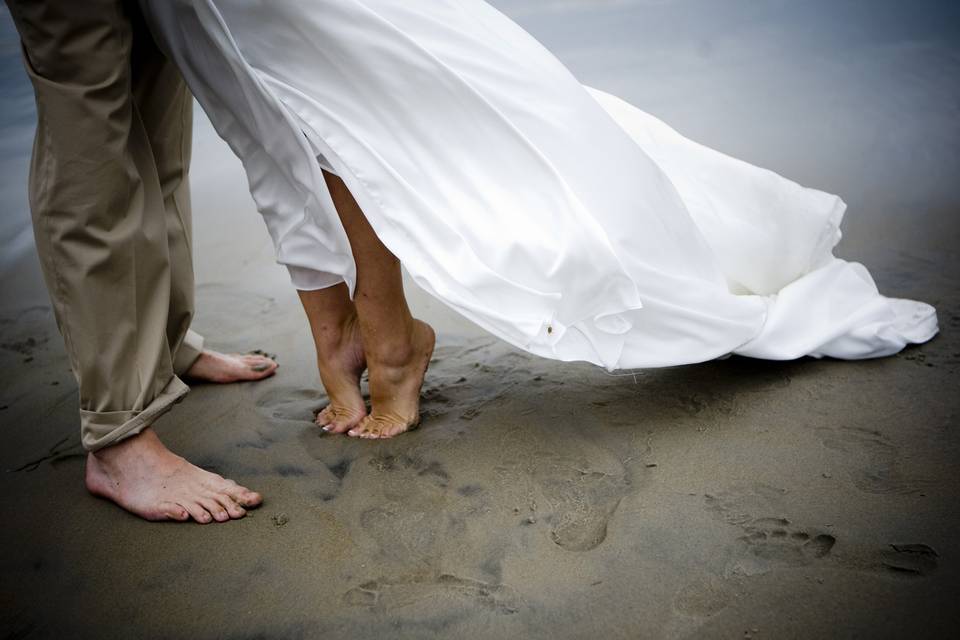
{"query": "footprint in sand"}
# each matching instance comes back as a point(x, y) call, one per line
point(407, 491)
point(874, 458)
point(25, 347)
point(705, 401)
point(577, 496)
point(27, 332)
point(909, 559)
point(583, 502)
point(458, 390)
point(774, 542)
point(446, 590)
point(771, 542)
point(402, 532)
point(410, 509)
point(290, 404)
point(702, 598)
point(431, 471)
point(573, 491)
point(740, 504)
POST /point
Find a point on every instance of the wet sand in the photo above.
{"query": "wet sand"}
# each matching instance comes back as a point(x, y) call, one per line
point(733, 499)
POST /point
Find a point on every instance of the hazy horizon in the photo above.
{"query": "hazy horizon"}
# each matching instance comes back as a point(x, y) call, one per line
point(857, 97)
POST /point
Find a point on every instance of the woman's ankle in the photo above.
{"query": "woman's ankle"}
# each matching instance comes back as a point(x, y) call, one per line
point(391, 348)
point(400, 349)
point(335, 335)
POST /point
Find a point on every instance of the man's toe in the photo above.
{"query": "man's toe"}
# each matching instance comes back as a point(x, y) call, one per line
point(246, 498)
point(258, 361)
point(173, 511)
point(234, 510)
point(241, 496)
point(214, 508)
point(198, 513)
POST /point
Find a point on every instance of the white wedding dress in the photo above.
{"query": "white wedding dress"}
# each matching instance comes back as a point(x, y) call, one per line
point(558, 217)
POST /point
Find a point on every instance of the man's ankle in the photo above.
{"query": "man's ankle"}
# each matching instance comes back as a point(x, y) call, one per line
point(143, 439)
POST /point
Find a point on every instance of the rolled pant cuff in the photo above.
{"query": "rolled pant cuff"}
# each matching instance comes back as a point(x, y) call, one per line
point(101, 429)
point(190, 349)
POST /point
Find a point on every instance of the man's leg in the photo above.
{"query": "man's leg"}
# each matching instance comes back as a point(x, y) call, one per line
point(165, 106)
point(101, 237)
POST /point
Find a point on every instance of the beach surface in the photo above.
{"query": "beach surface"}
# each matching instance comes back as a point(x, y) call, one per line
point(733, 499)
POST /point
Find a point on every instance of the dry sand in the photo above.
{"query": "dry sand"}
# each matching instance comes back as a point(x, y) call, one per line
point(734, 499)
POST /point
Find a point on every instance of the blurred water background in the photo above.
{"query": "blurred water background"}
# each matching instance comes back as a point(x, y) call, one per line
point(857, 97)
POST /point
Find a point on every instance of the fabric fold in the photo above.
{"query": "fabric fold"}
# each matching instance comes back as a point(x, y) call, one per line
point(558, 217)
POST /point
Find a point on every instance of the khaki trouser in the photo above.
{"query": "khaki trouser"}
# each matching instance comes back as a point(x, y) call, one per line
point(111, 207)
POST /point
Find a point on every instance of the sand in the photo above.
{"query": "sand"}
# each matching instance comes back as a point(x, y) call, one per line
point(733, 499)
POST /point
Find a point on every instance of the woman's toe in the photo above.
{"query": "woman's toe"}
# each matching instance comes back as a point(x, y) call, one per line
point(324, 418)
point(359, 430)
point(336, 427)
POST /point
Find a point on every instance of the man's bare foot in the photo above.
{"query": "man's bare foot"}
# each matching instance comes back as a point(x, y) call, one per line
point(147, 479)
point(222, 368)
point(396, 377)
point(341, 361)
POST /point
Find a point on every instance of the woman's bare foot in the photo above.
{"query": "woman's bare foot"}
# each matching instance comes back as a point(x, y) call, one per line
point(222, 368)
point(147, 479)
point(341, 361)
point(396, 376)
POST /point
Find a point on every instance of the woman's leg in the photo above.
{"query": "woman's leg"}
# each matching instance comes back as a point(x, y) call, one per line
point(340, 358)
point(397, 347)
